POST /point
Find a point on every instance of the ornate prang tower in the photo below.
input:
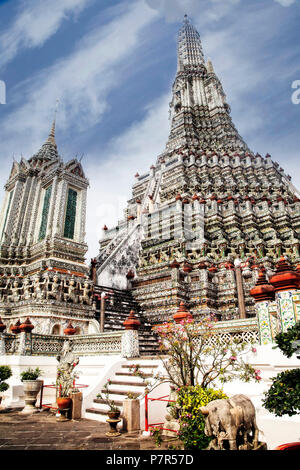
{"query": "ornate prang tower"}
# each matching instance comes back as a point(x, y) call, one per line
point(42, 229)
point(207, 215)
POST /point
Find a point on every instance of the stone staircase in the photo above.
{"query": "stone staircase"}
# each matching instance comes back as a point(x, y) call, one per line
point(118, 305)
point(121, 383)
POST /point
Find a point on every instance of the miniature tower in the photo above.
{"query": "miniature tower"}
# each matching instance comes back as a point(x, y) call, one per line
point(42, 247)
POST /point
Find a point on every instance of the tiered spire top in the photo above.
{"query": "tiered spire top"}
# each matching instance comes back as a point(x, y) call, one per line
point(49, 148)
point(189, 46)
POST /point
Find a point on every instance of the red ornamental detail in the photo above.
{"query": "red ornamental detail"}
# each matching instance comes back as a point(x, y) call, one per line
point(182, 313)
point(213, 269)
point(202, 201)
point(70, 330)
point(130, 274)
point(229, 266)
point(27, 326)
point(16, 328)
point(187, 268)
point(178, 197)
point(105, 228)
point(185, 201)
point(136, 175)
point(298, 271)
point(174, 264)
point(2, 326)
point(132, 322)
point(195, 197)
point(284, 278)
point(202, 265)
point(262, 289)
point(130, 217)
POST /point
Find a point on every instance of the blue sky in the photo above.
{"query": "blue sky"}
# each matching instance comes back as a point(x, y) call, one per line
point(112, 63)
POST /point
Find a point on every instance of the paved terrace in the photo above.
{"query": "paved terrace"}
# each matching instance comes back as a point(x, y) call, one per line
point(41, 431)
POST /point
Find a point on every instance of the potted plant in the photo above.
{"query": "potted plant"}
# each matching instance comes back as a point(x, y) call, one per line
point(5, 373)
point(65, 383)
point(32, 386)
point(114, 412)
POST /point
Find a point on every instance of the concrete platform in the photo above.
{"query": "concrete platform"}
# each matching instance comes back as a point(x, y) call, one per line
point(41, 431)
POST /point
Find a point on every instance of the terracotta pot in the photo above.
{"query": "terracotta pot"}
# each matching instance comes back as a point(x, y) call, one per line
point(63, 403)
point(113, 414)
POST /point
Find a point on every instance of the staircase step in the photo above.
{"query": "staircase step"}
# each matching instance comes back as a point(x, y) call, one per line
point(103, 402)
point(133, 384)
point(130, 374)
point(142, 366)
point(117, 391)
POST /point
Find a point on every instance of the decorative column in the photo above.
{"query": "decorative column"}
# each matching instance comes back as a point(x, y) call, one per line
point(264, 294)
point(25, 342)
point(285, 282)
point(102, 311)
point(130, 337)
point(2, 339)
point(94, 270)
point(239, 285)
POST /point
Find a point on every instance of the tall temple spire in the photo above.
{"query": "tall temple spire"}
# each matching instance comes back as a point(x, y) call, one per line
point(189, 45)
point(199, 113)
point(51, 137)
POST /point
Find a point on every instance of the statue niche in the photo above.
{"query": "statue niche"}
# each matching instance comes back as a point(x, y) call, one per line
point(87, 294)
point(54, 290)
point(71, 295)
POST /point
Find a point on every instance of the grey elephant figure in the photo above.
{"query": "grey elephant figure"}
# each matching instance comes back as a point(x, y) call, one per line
point(232, 420)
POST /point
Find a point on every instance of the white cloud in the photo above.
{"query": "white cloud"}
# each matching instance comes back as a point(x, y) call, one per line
point(111, 180)
point(36, 22)
point(285, 3)
point(81, 81)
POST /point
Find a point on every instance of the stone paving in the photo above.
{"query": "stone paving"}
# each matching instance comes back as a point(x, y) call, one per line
point(42, 431)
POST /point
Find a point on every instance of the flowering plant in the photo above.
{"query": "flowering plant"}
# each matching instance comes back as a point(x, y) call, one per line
point(192, 422)
point(197, 354)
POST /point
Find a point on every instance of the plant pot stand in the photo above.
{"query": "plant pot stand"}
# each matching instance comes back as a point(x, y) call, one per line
point(63, 415)
point(113, 427)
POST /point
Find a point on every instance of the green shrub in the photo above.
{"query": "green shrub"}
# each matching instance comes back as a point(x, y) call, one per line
point(31, 374)
point(284, 340)
point(283, 397)
point(190, 400)
point(5, 373)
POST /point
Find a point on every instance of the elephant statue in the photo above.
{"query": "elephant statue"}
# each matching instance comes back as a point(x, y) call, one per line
point(231, 421)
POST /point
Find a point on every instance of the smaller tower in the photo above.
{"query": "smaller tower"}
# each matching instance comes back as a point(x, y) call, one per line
point(43, 274)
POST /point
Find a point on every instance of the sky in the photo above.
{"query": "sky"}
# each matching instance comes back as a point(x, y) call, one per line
point(111, 65)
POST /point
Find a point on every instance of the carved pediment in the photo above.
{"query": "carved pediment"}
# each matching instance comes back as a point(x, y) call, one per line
point(74, 167)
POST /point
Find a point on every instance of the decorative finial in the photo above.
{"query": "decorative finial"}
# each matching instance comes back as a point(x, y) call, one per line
point(51, 137)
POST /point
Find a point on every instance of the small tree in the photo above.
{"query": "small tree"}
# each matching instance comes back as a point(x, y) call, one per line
point(5, 373)
point(196, 354)
point(283, 397)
